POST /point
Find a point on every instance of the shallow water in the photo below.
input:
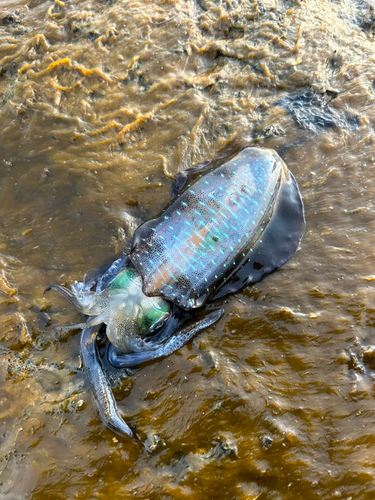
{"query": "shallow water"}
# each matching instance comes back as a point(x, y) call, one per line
point(101, 102)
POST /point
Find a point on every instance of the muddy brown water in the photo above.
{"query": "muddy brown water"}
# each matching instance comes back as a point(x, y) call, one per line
point(101, 102)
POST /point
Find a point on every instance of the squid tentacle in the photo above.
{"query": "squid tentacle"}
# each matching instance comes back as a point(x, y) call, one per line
point(101, 390)
point(172, 344)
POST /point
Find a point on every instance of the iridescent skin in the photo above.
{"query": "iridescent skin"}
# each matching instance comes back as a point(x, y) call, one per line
point(186, 253)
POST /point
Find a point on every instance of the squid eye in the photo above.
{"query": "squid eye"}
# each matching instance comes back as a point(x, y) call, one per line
point(152, 320)
point(159, 323)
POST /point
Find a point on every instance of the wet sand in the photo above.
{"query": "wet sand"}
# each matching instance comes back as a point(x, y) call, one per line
point(101, 103)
